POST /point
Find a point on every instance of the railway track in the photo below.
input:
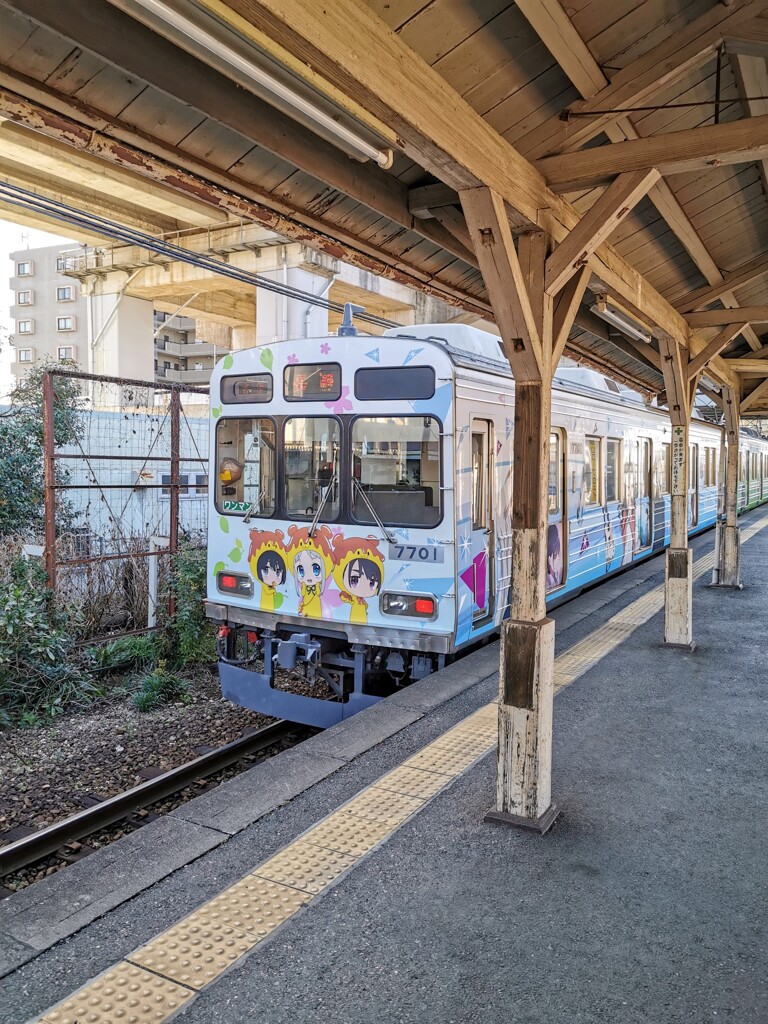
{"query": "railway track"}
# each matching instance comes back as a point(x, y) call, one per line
point(28, 850)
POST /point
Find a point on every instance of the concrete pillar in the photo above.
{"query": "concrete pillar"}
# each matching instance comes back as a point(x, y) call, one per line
point(730, 544)
point(120, 331)
point(678, 597)
point(244, 337)
point(279, 317)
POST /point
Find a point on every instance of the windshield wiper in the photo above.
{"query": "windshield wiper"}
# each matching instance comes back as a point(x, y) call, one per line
point(255, 506)
point(372, 510)
point(321, 506)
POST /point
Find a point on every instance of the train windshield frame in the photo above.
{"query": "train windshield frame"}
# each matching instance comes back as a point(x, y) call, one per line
point(397, 470)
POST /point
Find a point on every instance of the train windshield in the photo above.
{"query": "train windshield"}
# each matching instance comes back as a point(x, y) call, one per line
point(311, 450)
point(396, 470)
point(246, 465)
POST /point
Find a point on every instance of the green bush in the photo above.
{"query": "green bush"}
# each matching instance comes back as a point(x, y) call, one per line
point(139, 651)
point(190, 638)
point(160, 687)
point(40, 670)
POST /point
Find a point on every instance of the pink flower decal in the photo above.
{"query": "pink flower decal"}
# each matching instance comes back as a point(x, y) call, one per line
point(292, 359)
point(325, 348)
point(342, 404)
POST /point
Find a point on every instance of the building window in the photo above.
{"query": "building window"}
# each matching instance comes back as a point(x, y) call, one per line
point(25, 326)
point(66, 352)
point(25, 355)
point(24, 298)
point(61, 263)
point(24, 269)
point(64, 293)
point(198, 366)
point(65, 323)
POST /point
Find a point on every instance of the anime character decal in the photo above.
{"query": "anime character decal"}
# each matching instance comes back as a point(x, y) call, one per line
point(265, 558)
point(310, 560)
point(355, 564)
point(358, 570)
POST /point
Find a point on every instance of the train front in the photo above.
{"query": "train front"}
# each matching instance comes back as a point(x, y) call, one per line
point(331, 554)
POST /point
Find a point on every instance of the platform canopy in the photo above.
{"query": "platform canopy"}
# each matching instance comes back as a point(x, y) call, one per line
point(634, 135)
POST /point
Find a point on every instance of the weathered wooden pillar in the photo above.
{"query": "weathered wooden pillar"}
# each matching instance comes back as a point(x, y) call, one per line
point(730, 542)
point(678, 589)
point(534, 325)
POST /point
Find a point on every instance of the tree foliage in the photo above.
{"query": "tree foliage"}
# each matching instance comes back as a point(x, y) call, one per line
point(22, 478)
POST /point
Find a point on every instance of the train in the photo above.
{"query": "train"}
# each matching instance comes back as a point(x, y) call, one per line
point(359, 524)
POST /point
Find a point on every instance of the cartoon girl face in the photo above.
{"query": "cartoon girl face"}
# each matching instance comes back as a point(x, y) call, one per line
point(308, 570)
point(270, 569)
point(362, 578)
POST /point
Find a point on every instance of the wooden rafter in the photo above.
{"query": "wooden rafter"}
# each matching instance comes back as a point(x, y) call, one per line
point(759, 395)
point(558, 34)
point(737, 278)
point(749, 367)
point(714, 348)
point(721, 317)
point(662, 66)
point(733, 142)
point(565, 310)
point(596, 226)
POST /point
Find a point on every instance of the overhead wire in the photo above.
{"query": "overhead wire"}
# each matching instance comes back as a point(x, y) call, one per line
point(17, 196)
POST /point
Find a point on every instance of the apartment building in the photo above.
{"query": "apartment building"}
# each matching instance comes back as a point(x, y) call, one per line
point(185, 349)
point(48, 311)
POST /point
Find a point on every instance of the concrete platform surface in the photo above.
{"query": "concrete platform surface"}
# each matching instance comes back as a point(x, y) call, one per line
point(647, 902)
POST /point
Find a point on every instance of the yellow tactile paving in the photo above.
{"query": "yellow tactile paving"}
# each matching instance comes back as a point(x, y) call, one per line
point(346, 833)
point(206, 943)
point(383, 805)
point(124, 995)
point(306, 866)
point(413, 782)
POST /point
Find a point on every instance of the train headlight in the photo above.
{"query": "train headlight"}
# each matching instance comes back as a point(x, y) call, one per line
point(420, 606)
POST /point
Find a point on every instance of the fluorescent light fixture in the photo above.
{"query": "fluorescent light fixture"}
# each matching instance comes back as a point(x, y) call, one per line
point(200, 33)
point(610, 312)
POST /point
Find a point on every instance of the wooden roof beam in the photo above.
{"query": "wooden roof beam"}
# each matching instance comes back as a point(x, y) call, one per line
point(749, 367)
point(596, 226)
point(758, 396)
point(714, 348)
point(662, 66)
point(737, 278)
point(751, 39)
point(751, 75)
point(721, 317)
point(556, 31)
point(733, 142)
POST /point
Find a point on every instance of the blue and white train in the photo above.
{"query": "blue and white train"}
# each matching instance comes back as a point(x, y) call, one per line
point(360, 519)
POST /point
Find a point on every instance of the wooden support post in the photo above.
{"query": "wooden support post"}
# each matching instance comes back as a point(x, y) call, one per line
point(678, 589)
point(526, 314)
point(730, 544)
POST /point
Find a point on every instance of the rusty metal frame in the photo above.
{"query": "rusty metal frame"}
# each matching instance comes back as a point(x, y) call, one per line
point(51, 486)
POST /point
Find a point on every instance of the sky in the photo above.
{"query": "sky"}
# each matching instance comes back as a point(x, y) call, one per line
point(13, 237)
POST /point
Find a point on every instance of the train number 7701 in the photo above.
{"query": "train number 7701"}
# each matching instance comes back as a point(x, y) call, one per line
point(416, 553)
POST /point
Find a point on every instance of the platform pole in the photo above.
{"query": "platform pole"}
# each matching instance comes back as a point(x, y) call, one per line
point(534, 302)
point(731, 546)
point(678, 577)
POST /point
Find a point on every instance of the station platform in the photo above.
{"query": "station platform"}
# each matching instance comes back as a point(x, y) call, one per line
point(352, 879)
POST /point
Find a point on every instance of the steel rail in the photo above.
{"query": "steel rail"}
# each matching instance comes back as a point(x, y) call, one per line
point(32, 848)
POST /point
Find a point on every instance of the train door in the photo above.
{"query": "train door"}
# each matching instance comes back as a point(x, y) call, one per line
point(482, 569)
point(556, 539)
point(693, 485)
point(643, 502)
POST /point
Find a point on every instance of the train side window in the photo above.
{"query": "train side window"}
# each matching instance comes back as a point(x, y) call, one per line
point(396, 470)
point(693, 467)
point(643, 468)
point(555, 482)
point(612, 464)
point(245, 466)
point(311, 460)
point(630, 471)
point(593, 471)
point(661, 464)
point(394, 383)
point(755, 473)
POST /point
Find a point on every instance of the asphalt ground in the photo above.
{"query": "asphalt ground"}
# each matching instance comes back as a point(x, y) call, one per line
point(646, 902)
